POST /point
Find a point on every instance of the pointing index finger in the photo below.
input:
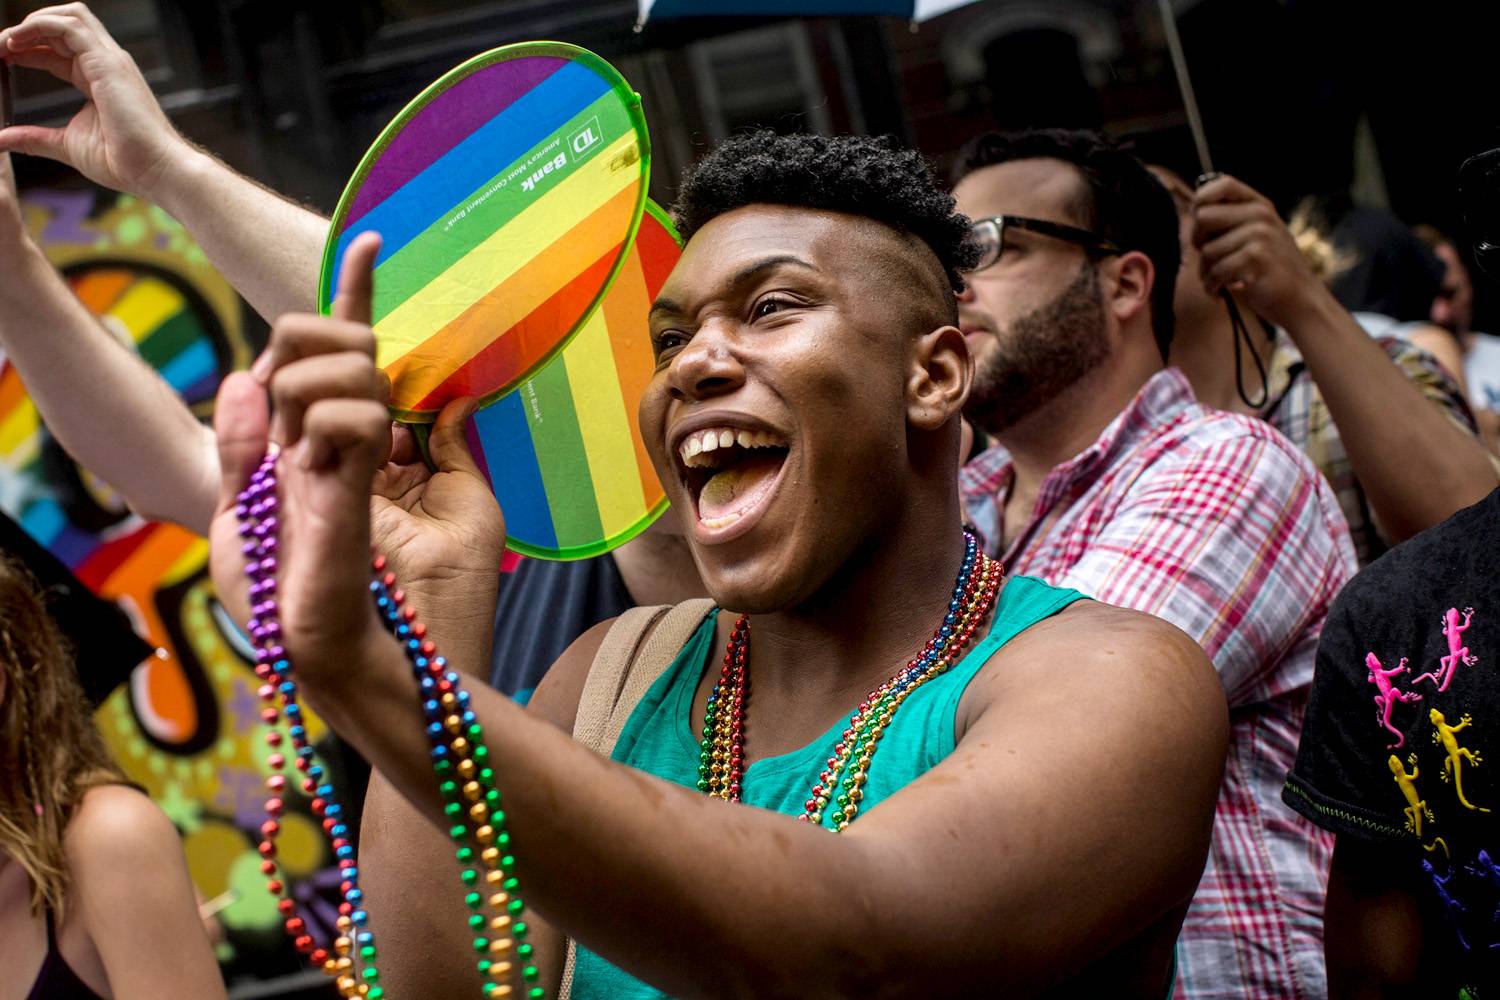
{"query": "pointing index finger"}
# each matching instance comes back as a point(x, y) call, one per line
point(357, 279)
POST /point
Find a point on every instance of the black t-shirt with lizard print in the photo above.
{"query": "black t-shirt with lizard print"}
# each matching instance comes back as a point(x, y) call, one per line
point(1401, 743)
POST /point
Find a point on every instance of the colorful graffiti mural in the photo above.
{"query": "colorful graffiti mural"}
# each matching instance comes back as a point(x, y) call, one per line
point(187, 725)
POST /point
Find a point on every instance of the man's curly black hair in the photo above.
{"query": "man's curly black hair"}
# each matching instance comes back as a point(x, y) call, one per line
point(868, 176)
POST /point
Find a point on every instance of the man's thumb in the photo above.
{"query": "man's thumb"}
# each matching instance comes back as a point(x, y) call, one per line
point(242, 420)
point(449, 445)
point(33, 140)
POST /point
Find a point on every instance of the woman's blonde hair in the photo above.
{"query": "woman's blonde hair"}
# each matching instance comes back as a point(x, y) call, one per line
point(1309, 228)
point(50, 752)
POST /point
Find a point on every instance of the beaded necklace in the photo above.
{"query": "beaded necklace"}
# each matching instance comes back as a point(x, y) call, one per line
point(721, 767)
point(460, 761)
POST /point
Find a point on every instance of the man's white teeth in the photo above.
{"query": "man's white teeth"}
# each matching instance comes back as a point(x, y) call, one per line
point(715, 438)
point(715, 523)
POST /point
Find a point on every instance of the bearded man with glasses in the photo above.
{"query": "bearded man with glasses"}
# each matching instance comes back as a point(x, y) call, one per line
point(1110, 476)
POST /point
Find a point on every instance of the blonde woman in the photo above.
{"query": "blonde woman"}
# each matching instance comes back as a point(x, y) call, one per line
point(95, 900)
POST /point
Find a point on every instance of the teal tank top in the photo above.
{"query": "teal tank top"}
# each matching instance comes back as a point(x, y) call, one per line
point(660, 738)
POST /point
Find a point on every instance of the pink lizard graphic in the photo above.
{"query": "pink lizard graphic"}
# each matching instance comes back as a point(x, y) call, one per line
point(1458, 652)
point(1387, 695)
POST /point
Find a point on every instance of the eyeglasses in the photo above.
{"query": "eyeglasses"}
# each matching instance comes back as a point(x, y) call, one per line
point(989, 235)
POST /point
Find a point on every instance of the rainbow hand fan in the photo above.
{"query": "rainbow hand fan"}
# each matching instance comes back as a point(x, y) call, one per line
point(507, 195)
point(563, 452)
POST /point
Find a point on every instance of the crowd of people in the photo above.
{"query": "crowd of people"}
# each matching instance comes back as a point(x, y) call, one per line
point(1195, 539)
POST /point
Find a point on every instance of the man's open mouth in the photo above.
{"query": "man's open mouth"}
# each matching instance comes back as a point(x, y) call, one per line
point(731, 472)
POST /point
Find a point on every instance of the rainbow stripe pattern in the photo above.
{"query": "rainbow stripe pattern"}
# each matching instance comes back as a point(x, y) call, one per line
point(163, 318)
point(564, 452)
point(507, 195)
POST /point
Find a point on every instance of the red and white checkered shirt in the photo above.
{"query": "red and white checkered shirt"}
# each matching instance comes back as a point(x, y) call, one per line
point(1219, 525)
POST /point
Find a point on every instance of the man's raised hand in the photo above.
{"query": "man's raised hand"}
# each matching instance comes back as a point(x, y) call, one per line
point(120, 138)
point(333, 430)
point(1245, 247)
point(347, 475)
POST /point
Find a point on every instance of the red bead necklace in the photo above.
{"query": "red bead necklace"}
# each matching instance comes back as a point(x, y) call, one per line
point(721, 766)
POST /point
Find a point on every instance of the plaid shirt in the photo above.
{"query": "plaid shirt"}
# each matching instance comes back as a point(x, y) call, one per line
point(1296, 409)
point(1217, 524)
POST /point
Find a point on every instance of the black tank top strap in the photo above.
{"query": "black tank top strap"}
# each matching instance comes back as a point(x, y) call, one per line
point(57, 980)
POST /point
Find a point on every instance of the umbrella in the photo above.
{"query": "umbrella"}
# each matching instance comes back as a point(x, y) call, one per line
point(912, 10)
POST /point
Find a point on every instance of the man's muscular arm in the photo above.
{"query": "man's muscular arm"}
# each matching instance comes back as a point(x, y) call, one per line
point(426, 948)
point(1037, 780)
point(268, 248)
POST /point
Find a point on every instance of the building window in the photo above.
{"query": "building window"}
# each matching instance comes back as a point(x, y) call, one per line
point(763, 78)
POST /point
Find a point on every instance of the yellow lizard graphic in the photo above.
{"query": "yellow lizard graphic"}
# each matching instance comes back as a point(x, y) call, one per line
point(1416, 808)
point(1456, 755)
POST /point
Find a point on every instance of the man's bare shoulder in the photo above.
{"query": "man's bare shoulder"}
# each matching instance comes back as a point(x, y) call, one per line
point(556, 697)
point(1093, 653)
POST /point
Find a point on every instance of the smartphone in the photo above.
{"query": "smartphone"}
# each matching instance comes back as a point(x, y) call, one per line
point(5, 104)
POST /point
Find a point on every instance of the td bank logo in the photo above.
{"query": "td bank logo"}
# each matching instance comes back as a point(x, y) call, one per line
point(583, 141)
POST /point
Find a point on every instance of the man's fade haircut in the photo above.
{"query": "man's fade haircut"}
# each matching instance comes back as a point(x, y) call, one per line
point(1120, 201)
point(873, 177)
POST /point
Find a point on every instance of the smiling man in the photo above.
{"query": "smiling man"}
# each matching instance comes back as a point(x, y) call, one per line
point(1007, 827)
point(1110, 477)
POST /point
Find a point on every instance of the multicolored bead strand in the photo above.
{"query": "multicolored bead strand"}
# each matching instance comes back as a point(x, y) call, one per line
point(255, 509)
point(471, 801)
point(721, 754)
point(460, 761)
point(857, 745)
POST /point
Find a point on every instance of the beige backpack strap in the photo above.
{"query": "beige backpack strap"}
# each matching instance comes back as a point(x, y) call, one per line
point(607, 674)
point(637, 650)
point(654, 654)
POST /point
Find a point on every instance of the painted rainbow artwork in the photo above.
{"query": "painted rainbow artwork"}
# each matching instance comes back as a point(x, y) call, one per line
point(171, 332)
point(506, 195)
point(115, 554)
point(163, 318)
point(563, 452)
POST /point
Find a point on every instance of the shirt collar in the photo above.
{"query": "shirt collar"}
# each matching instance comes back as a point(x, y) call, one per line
point(1161, 400)
point(1282, 368)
